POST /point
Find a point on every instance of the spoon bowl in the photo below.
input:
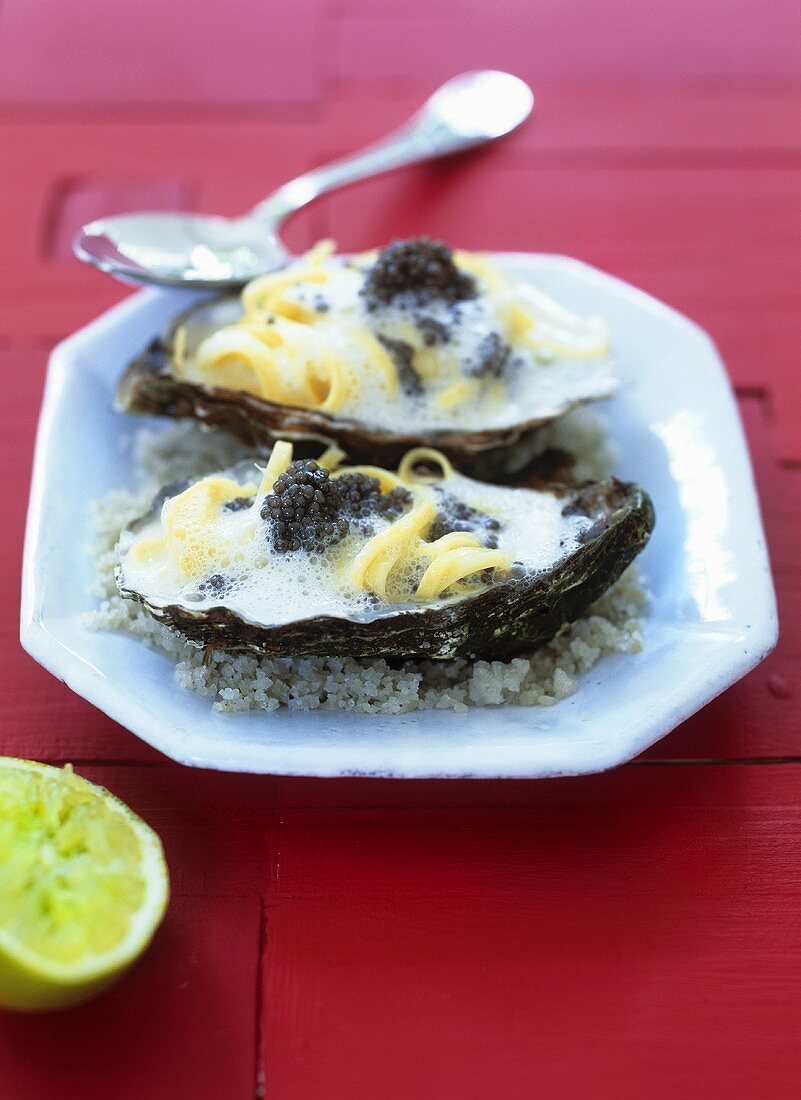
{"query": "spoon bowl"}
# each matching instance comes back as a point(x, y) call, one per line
point(207, 251)
point(192, 250)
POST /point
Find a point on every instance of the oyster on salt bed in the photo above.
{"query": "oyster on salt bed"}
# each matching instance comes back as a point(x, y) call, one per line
point(306, 557)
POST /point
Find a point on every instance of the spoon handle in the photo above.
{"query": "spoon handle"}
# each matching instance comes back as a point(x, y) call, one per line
point(436, 130)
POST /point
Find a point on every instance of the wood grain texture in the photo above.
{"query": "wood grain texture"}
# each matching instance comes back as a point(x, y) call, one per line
point(620, 936)
point(621, 39)
point(143, 51)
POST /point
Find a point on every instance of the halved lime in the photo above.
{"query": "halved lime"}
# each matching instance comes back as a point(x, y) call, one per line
point(83, 886)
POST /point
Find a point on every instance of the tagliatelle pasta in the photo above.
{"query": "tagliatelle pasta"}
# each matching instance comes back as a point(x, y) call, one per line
point(280, 458)
point(374, 562)
point(273, 351)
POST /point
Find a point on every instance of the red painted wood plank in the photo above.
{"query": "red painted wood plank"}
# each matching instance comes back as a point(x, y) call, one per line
point(223, 168)
point(180, 1025)
point(143, 51)
point(636, 936)
point(168, 796)
point(630, 119)
point(578, 911)
point(779, 485)
point(569, 39)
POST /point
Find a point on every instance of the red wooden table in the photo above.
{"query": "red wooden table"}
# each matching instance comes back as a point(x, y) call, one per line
point(630, 934)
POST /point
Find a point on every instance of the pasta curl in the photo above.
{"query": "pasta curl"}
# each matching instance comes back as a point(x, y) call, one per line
point(402, 548)
point(280, 350)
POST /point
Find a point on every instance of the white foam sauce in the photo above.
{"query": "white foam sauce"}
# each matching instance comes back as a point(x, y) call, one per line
point(271, 588)
point(537, 385)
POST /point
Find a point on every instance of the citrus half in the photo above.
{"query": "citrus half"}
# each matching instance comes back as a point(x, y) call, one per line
point(83, 886)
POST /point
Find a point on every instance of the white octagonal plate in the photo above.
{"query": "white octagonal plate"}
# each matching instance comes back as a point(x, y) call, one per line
point(675, 421)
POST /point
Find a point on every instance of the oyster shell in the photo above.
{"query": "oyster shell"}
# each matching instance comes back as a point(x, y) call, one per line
point(513, 385)
point(565, 546)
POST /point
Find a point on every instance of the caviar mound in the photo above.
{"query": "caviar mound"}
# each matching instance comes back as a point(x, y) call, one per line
point(361, 498)
point(420, 269)
point(309, 510)
point(303, 510)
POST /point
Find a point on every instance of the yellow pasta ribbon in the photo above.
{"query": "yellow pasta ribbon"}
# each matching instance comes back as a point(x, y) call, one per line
point(452, 557)
point(280, 458)
point(331, 457)
point(457, 394)
point(454, 565)
point(179, 349)
point(281, 351)
point(372, 565)
point(480, 266)
point(261, 294)
point(418, 455)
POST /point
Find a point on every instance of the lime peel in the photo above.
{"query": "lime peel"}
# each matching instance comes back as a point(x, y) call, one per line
point(83, 886)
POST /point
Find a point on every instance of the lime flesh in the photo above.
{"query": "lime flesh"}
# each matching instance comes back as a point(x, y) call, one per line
point(83, 886)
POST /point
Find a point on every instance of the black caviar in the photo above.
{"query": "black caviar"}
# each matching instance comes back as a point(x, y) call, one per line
point(215, 585)
point(401, 355)
point(303, 509)
point(362, 498)
point(421, 270)
point(238, 504)
point(309, 510)
point(491, 358)
point(433, 332)
point(455, 515)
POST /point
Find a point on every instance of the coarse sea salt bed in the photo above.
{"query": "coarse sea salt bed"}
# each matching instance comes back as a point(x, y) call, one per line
point(244, 682)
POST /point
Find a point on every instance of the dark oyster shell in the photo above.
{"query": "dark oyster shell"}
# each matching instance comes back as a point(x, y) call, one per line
point(149, 386)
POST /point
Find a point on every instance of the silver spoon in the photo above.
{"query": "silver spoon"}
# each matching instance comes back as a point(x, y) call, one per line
point(200, 250)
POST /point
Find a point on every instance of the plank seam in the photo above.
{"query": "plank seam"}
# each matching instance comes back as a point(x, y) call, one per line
point(260, 1083)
